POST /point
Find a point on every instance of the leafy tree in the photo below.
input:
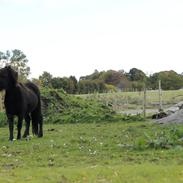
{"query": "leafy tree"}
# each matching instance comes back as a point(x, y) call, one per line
point(116, 78)
point(73, 84)
point(65, 84)
point(91, 86)
point(111, 77)
point(110, 88)
point(137, 85)
point(95, 75)
point(56, 82)
point(86, 86)
point(124, 84)
point(136, 75)
point(170, 80)
point(18, 61)
point(68, 84)
point(45, 79)
point(36, 81)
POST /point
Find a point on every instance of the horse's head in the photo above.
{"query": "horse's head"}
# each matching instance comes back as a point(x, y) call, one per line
point(8, 78)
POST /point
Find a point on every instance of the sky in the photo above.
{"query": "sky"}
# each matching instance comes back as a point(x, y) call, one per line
point(75, 37)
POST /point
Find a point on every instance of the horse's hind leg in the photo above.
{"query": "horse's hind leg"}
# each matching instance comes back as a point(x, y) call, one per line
point(19, 127)
point(34, 123)
point(27, 120)
point(37, 123)
point(40, 133)
point(11, 126)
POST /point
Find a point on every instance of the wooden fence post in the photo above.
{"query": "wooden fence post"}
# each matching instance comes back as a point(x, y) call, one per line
point(144, 101)
point(160, 97)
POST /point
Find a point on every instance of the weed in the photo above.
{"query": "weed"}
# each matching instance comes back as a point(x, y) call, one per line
point(3, 119)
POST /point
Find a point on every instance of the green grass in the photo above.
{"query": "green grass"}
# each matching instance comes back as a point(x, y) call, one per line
point(59, 107)
point(134, 100)
point(95, 152)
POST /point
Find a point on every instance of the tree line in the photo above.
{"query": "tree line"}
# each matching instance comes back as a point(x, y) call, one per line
point(98, 81)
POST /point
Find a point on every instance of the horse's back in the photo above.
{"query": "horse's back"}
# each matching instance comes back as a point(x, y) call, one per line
point(33, 87)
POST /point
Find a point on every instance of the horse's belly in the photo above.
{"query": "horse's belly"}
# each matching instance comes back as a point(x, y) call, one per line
point(31, 107)
point(13, 109)
point(32, 103)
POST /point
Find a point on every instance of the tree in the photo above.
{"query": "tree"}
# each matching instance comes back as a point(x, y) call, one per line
point(115, 78)
point(170, 80)
point(67, 84)
point(57, 83)
point(18, 61)
point(91, 86)
point(101, 79)
point(36, 81)
point(95, 75)
point(73, 84)
point(45, 79)
point(136, 75)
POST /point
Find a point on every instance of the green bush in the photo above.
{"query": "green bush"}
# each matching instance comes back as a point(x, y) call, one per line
point(164, 139)
point(59, 107)
point(3, 119)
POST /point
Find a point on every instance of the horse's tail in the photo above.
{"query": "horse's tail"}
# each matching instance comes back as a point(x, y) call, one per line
point(36, 115)
point(40, 128)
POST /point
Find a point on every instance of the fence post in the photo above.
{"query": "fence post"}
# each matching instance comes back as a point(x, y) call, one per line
point(144, 102)
point(160, 97)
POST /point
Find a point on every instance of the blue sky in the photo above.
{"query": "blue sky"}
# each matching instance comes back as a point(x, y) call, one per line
point(75, 37)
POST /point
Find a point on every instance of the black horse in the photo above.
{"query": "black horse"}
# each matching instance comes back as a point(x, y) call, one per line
point(21, 100)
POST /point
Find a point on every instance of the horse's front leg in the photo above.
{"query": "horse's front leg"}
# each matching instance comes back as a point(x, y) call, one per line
point(11, 126)
point(19, 127)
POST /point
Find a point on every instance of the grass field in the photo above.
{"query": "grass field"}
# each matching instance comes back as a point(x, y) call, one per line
point(122, 101)
point(137, 152)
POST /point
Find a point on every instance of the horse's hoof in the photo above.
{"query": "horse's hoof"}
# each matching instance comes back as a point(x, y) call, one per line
point(40, 135)
point(28, 138)
point(11, 140)
point(24, 136)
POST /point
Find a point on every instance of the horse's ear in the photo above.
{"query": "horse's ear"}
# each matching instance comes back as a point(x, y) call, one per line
point(8, 67)
point(13, 74)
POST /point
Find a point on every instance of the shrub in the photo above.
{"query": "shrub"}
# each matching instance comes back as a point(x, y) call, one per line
point(59, 107)
point(3, 119)
point(164, 139)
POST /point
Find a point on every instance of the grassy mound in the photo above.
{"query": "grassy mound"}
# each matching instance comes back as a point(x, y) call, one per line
point(59, 107)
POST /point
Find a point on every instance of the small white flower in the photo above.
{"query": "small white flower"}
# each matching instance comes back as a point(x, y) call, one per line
point(9, 155)
point(65, 144)
point(94, 138)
